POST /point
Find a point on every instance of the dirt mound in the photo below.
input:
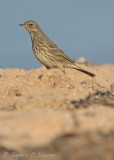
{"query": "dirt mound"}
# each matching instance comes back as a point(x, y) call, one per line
point(46, 114)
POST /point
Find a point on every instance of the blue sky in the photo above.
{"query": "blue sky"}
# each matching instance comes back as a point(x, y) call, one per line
point(81, 28)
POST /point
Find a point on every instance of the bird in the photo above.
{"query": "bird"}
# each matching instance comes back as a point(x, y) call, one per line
point(47, 52)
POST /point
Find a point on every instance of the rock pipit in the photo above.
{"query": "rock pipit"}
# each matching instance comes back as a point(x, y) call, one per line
point(47, 52)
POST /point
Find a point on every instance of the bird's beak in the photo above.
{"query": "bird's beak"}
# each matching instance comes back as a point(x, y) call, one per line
point(24, 25)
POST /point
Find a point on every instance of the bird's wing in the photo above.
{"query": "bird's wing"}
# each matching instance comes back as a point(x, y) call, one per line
point(54, 49)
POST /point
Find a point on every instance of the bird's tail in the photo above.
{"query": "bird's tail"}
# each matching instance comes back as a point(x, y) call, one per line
point(84, 71)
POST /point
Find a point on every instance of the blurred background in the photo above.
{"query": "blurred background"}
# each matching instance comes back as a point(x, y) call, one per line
point(81, 28)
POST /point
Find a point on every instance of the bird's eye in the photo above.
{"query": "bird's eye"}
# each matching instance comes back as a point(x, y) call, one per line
point(30, 25)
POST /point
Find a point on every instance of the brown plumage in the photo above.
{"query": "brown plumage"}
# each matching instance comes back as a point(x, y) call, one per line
point(47, 52)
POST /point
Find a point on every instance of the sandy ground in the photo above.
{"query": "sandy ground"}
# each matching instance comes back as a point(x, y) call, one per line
point(46, 114)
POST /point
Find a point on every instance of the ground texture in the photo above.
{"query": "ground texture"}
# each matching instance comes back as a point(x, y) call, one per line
point(46, 114)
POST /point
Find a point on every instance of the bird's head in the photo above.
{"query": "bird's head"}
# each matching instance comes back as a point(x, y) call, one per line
point(31, 26)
